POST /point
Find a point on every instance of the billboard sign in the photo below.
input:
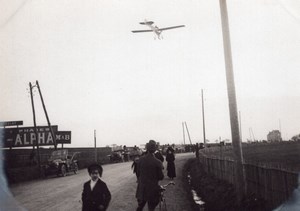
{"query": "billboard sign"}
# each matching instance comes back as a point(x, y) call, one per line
point(11, 123)
point(63, 137)
point(25, 136)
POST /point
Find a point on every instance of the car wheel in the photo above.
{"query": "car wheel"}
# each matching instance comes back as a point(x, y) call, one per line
point(63, 170)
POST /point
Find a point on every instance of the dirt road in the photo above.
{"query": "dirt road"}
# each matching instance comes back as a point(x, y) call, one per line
point(64, 193)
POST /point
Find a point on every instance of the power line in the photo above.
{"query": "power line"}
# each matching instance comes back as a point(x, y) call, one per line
point(13, 14)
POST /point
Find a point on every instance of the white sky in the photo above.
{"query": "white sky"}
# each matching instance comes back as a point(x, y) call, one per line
point(95, 74)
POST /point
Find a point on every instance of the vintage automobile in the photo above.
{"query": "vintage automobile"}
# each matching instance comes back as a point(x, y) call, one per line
point(135, 152)
point(60, 163)
point(116, 156)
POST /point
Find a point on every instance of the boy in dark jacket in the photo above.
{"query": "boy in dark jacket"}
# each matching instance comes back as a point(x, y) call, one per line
point(95, 195)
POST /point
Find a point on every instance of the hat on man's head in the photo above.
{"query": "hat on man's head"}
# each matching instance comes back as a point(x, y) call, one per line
point(151, 146)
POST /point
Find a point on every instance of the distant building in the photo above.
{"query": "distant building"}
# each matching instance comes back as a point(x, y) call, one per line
point(274, 136)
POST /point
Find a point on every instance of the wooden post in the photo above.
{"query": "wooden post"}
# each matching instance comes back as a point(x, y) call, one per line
point(236, 141)
point(49, 124)
point(280, 129)
point(183, 133)
point(95, 146)
point(240, 120)
point(204, 138)
point(187, 130)
point(35, 130)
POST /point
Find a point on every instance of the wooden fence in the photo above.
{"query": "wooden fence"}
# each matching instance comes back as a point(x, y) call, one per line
point(263, 181)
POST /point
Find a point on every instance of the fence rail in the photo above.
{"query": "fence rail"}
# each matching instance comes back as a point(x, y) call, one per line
point(272, 184)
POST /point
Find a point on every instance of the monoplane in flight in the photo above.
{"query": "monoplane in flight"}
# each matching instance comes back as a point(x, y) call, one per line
point(157, 31)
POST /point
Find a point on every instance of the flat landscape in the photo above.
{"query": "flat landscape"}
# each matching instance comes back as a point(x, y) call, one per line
point(285, 155)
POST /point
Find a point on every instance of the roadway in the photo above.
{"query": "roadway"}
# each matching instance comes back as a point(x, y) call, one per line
point(64, 193)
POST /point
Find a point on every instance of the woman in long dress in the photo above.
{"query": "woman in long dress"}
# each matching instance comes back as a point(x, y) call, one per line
point(170, 158)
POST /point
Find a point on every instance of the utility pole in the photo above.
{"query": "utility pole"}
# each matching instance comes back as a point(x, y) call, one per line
point(183, 133)
point(35, 130)
point(240, 118)
point(49, 124)
point(252, 134)
point(187, 130)
point(204, 139)
point(236, 141)
point(95, 142)
point(280, 129)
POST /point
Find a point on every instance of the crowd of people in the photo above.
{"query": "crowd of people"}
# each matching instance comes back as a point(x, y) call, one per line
point(149, 170)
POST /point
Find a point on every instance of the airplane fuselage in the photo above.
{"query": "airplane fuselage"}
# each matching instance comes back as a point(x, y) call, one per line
point(155, 29)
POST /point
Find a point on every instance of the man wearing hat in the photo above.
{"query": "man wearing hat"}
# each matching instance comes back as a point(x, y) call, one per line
point(150, 171)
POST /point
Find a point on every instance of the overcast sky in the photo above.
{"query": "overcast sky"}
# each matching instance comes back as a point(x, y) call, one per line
point(95, 74)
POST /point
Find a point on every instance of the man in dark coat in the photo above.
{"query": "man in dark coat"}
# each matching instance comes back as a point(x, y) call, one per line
point(150, 171)
point(95, 195)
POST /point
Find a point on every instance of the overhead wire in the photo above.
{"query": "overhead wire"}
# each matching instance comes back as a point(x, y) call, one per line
point(2, 25)
point(297, 19)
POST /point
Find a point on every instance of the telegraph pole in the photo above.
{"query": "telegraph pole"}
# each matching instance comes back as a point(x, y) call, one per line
point(35, 129)
point(49, 124)
point(236, 141)
point(280, 130)
point(240, 118)
point(187, 130)
point(183, 133)
point(204, 138)
point(95, 142)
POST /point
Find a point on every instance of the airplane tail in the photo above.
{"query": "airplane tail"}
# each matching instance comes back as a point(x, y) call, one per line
point(147, 22)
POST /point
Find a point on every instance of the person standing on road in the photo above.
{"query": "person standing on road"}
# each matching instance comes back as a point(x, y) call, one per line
point(159, 156)
point(150, 171)
point(95, 195)
point(197, 150)
point(170, 158)
point(134, 166)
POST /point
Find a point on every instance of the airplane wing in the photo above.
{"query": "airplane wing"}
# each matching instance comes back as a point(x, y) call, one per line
point(172, 27)
point(136, 31)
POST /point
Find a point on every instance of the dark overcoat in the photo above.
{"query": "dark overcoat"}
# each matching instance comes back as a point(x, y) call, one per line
point(170, 158)
point(92, 199)
point(159, 156)
point(150, 171)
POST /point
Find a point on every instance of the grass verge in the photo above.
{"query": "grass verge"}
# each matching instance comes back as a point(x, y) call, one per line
point(217, 194)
